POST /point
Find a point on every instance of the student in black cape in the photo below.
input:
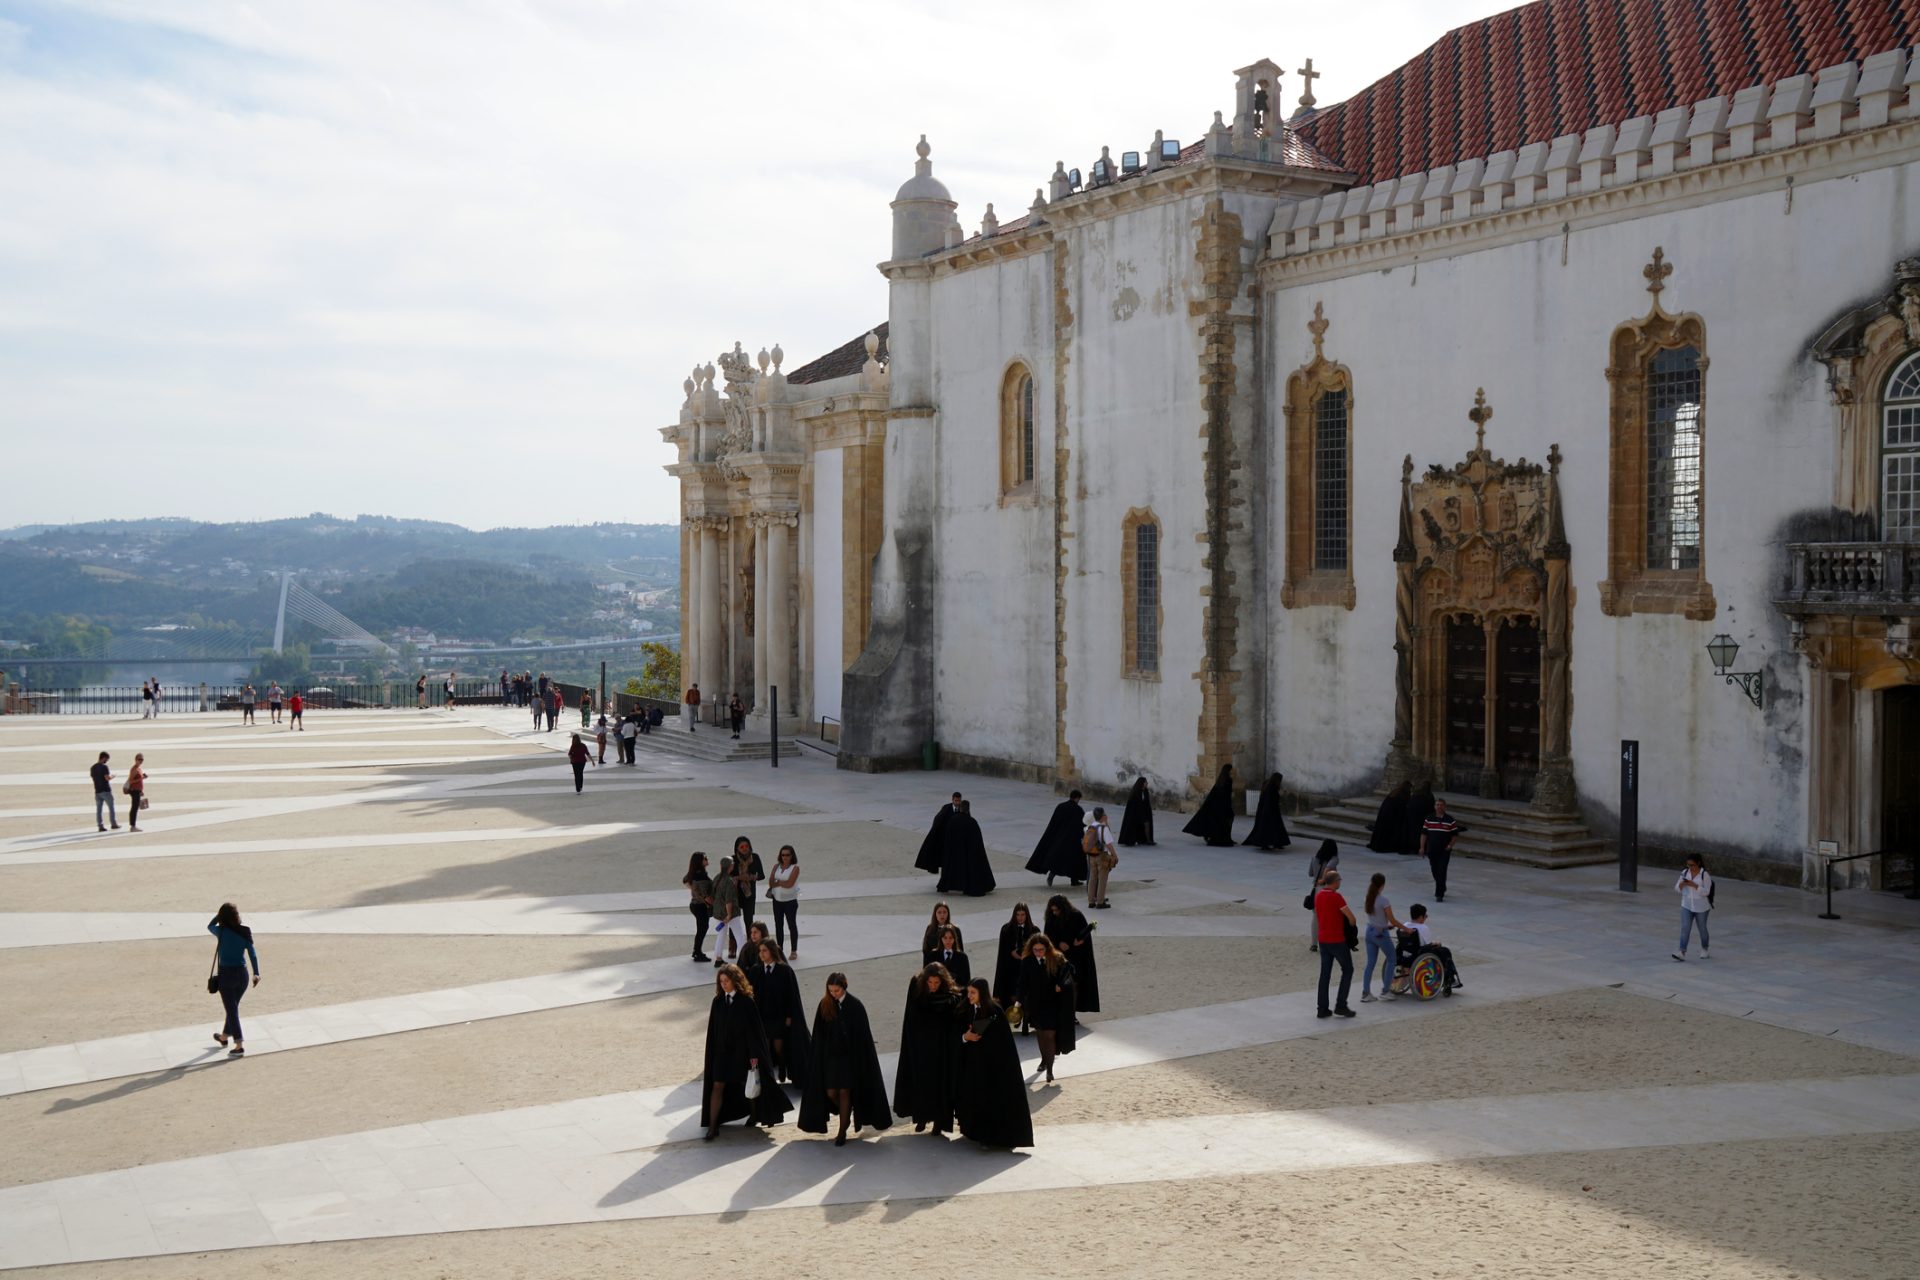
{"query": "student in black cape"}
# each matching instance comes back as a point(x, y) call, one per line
point(1213, 820)
point(933, 850)
point(1013, 948)
point(843, 1076)
point(928, 1076)
point(776, 993)
point(1419, 809)
point(1046, 999)
point(1136, 824)
point(964, 866)
point(948, 955)
point(942, 918)
point(737, 1044)
point(1269, 825)
point(1391, 821)
point(992, 1106)
point(1058, 853)
point(1073, 934)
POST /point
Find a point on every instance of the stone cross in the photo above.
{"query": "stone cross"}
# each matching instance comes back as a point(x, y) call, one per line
point(1657, 272)
point(1480, 415)
point(1308, 75)
point(1318, 328)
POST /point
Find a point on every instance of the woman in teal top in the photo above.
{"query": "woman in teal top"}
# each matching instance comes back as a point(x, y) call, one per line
point(233, 947)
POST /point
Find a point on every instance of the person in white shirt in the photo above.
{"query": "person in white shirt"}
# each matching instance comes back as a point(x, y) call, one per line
point(1695, 887)
point(1097, 844)
point(1418, 926)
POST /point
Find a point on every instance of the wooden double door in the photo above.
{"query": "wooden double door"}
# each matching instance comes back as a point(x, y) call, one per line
point(1491, 704)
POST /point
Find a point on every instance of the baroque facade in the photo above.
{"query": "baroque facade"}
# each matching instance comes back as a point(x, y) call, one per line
point(1203, 458)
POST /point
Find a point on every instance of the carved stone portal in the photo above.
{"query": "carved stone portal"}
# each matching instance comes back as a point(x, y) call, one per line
point(1481, 640)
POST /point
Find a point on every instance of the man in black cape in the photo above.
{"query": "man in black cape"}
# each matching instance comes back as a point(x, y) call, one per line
point(934, 847)
point(964, 866)
point(1058, 853)
point(1213, 820)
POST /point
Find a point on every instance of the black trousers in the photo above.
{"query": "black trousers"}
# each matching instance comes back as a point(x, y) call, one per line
point(579, 775)
point(1437, 862)
point(1332, 953)
point(701, 915)
point(786, 920)
point(233, 985)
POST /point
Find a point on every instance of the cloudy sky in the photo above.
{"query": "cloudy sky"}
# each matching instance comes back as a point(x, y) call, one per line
point(453, 260)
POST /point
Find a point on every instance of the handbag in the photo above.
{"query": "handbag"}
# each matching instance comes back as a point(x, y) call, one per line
point(213, 972)
point(1307, 902)
point(144, 802)
point(753, 1082)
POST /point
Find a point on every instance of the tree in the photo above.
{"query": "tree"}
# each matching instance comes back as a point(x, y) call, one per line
point(660, 677)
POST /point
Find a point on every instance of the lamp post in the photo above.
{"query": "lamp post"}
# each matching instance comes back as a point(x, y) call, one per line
point(1722, 650)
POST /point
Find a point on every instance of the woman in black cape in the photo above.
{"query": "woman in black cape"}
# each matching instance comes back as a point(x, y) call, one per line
point(1013, 948)
point(964, 867)
point(942, 919)
point(1046, 999)
point(1213, 820)
point(947, 954)
point(1269, 826)
point(928, 1076)
point(776, 993)
point(1419, 809)
point(1136, 824)
point(1072, 933)
point(992, 1108)
point(736, 1044)
point(1390, 823)
point(934, 847)
point(843, 1076)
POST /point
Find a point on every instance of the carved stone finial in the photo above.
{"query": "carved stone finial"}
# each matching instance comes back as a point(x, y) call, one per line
point(1307, 76)
point(1657, 272)
point(1480, 415)
point(923, 150)
point(873, 346)
point(1318, 328)
point(688, 386)
point(1039, 204)
point(706, 374)
point(1553, 459)
point(778, 356)
point(763, 359)
point(989, 224)
point(1406, 470)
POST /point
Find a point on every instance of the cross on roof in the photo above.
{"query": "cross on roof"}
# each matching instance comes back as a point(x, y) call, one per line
point(1480, 415)
point(1308, 75)
point(1657, 272)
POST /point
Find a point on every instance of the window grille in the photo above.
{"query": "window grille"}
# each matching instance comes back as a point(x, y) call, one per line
point(1674, 422)
point(1026, 429)
point(1146, 597)
point(1900, 454)
point(1330, 481)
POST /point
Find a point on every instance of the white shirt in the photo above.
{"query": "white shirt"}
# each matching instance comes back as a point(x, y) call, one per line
point(1102, 836)
point(1421, 930)
point(1693, 892)
point(787, 892)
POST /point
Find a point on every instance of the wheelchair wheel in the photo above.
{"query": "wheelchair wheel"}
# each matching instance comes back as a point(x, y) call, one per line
point(1426, 977)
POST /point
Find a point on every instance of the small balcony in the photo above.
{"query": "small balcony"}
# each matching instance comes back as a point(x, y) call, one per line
point(1851, 577)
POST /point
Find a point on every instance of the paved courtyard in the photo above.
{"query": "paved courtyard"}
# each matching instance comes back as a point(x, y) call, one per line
point(476, 1046)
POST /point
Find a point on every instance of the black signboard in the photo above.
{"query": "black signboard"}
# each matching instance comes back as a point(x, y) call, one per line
point(1629, 816)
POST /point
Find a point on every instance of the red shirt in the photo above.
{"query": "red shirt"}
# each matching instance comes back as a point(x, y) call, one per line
point(297, 703)
point(1327, 908)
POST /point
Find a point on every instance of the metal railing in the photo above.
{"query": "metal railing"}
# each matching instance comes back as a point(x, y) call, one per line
point(824, 722)
point(320, 693)
point(1913, 875)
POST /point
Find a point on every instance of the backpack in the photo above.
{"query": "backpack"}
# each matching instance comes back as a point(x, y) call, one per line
point(1090, 841)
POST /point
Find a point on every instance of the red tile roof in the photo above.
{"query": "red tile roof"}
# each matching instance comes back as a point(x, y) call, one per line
point(1564, 66)
point(848, 357)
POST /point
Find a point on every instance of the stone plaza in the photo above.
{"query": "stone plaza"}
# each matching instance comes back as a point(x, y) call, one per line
point(476, 1046)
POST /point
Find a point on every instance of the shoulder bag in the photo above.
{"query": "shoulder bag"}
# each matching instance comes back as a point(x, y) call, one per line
point(213, 972)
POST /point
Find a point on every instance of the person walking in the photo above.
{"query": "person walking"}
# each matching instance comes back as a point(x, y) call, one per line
point(737, 1067)
point(1013, 948)
point(940, 921)
point(963, 858)
point(136, 790)
point(629, 738)
point(1325, 858)
point(1101, 858)
point(1695, 887)
point(933, 848)
point(948, 955)
point(749, 871)
point(699, 900)
point(1330, 910)
point(103, 793)
point(146, 696)
point(274, 698)
point(577, 756)
point(1380, 926)
point(538, 701)
point(783, 890)
point(843, 1075)
point(156, 697)
point(1436, 841)
point(1058, 851)
point(452, 678)
point(586, 706)
point(727, 924)
point(736, 714)
point(232, 949)
point(776, 993)
point(991, 1102)
point(420, 691)
point(600, 739)
point(1213, 820)
point(248, 697)
point(553, 707)
point(927, 1076)
point(1136, 823)
point(1269, 832)
point(506, 686)
point(296, 705)
point(1072, 932)
point(1046, 999)
point(692, 704)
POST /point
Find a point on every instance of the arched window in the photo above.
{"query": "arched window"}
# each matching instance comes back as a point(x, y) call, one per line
point(1673, 459)
point(1330, 481)
point(1900, 454)
point(1319, 492)
point(1140, 592)
point(1016, 431)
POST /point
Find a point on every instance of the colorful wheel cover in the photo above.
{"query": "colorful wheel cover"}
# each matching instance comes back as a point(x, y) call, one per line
point(1427, 975)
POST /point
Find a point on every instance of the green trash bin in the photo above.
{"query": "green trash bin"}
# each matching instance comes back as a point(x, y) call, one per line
point(929, 755)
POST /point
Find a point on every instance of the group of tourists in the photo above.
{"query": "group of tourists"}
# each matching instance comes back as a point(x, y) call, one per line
point(276, 699)
point(522, 690)
point(723, 901)
point(1337, 934)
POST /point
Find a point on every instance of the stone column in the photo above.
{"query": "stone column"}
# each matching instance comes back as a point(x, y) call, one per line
point(1490, 759)
point(690, 606)
point(712, 674)
point(1553, 790)
point(1402, 766)
point(779, 610)
point(759, 614)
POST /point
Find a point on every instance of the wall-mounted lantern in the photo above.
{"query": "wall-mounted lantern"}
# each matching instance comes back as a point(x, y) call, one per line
point(1723, 649)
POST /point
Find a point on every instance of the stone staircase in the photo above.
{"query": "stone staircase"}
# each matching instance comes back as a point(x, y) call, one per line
point(712, 744)
point(1500, 830)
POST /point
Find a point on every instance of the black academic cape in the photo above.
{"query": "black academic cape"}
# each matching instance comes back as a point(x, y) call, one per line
point(956, 964)
point(927, 1080)
point(1269, 826)
point(1389, 823)
point(964, 865)
point(1073, 934)
point(1213, 821)
point(992, 1107)
point(734, 1039)
point(844, 1057)
point(1136, 824)
point(930, 936)
point(1059, 852)
point(1006, 965)
point(1042, 1007)
point(934, 848)
point(782, 1016)
point(1419, 809)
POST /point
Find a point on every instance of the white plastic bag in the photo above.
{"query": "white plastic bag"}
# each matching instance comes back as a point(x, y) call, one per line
point(753, 1082)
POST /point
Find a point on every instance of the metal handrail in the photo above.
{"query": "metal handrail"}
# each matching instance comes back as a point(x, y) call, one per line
point(1913, 891)
point(823, 726)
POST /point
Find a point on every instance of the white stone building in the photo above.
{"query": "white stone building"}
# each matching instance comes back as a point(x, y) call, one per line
point(1433, 434)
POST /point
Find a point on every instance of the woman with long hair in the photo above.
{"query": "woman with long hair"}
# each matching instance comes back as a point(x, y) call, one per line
point(727, 925)
point(232, 949)
point(1381, 924)
point(699, 900)
point(736, 1047)
point(942, 918)
point(1071, 932)
point(1269, 824)
point(748, 871)
point(1013, 947)
point(1136, 824)
point(925, 1082)
point(1213, 820)
point(783, 890)
point(136, 790)
point(1046, 999)
point(843, 1075)
point(577, 756)
point(992, 1106)
point(948, 955)
point(776, 993)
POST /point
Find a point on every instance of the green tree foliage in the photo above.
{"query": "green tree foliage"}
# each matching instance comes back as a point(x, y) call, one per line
point(289, 666)
point(66, 637)
point(660, 678)
point(473, 600)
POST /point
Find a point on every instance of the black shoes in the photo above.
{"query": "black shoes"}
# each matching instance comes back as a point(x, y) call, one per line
point(702, 956)
point(1343, 1012)
point(1324, 1013)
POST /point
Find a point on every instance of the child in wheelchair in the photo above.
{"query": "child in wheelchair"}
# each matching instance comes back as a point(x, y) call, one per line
point(1414, 941)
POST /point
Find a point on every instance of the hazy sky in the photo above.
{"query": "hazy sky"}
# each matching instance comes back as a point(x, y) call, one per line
point(453, 260)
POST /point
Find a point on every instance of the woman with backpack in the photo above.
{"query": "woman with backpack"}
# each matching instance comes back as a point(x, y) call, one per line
point(1695, 888)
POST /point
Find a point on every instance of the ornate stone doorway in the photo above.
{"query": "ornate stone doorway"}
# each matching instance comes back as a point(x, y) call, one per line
point(1481, 627)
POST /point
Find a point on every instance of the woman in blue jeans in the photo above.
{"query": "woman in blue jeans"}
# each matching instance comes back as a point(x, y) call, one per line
point(233, 947)
point(1380, 926)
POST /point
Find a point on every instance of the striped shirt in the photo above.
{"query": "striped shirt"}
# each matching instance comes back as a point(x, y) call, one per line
point(1439, 831)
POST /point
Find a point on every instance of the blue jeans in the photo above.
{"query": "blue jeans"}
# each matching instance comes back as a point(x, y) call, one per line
point(1379, 944)
point(1332, 953)
point(1688, 919)
point(103, 802)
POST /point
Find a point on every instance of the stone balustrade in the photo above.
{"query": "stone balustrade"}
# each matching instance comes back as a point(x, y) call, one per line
point(1852, 577)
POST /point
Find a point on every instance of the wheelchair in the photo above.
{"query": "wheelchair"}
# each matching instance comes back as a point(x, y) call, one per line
point(1417, 973)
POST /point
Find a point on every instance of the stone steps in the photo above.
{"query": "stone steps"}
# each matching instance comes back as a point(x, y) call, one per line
point(714, 745)
point(1499, 830)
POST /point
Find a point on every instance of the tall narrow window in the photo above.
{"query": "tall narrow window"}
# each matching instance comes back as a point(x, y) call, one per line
point(1900, 454)
point(1026, 429)
point(1018, 443)
point(1330, 482)
point(1673, 459)
point(1140, 594)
